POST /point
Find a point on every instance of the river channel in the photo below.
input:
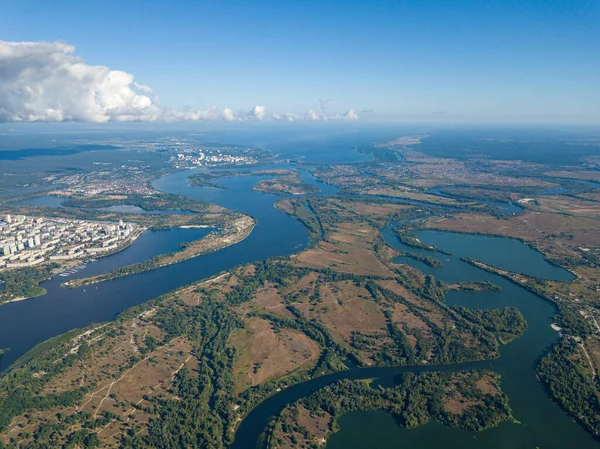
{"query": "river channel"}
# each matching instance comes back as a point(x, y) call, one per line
point(542, 423)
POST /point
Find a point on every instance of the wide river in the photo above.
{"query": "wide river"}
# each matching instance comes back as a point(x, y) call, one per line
point(542, 423)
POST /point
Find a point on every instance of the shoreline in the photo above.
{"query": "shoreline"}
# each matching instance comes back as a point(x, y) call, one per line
point(75, 262)
point(195, 227)
point(210, 243)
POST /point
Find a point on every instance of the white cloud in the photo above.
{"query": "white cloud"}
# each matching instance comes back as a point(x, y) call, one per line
point(258, 112)
point(45, 81)
point(228, 115)
point(351, 115)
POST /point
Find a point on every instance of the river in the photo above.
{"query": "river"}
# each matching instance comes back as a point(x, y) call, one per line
point(543, 423)
point(25, 324)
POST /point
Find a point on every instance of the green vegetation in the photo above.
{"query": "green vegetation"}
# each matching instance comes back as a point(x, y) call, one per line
point(416, 400)
point(405, 236)
point(23, 283)
point(380, 154)
point(447, 344)
point(207, 179)
point(202, 400)
point(205, 407)
point(507, 323)
point(158, 201)
point(571, 322)
point(484, 286)
point(427, 260)
point(562, 372)
point(23, 385)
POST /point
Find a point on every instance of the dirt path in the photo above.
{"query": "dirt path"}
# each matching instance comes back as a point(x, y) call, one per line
point(589, 360)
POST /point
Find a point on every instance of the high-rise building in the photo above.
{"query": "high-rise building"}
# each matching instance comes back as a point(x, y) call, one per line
point(37, 240)
point(30, 242)
point(8, 219)
point(7, 250)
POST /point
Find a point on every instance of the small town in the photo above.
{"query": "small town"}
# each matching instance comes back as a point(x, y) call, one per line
point(28, 241)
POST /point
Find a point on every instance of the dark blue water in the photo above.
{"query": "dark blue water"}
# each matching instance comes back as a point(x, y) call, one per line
point(146, 246)
point(27, 323)
point(510, 254)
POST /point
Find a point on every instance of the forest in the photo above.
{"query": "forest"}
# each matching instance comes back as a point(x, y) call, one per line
point(414, 401)
point(569, 384)
point(24, 281)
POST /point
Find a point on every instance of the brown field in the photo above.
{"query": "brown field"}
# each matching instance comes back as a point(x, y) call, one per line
point(285, 206)
point(396, 193)
point(317, 425)
point(345, 308)
point(263, 354)
point(456, 403)
point(488, 194)
point(348, 245)
point(347, 249)
point(433, 312)
point(566, 205)
point(590, 196)
point(269, 299)
point(111, 388)
point(593, 349)
point(482, 224)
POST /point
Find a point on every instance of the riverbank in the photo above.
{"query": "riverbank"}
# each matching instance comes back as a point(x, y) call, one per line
point(36, 290)
point(233, 232)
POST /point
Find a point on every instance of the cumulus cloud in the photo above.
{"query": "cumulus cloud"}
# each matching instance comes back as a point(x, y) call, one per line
point(43, 81)
point(351, 115)
point(46, 81)
point(258, 112)
point(313, 116)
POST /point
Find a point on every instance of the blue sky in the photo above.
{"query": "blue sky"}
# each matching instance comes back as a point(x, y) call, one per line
point(489, 60)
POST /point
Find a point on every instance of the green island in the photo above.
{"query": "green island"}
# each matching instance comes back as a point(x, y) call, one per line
point(284, 181)
point(469, 400)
